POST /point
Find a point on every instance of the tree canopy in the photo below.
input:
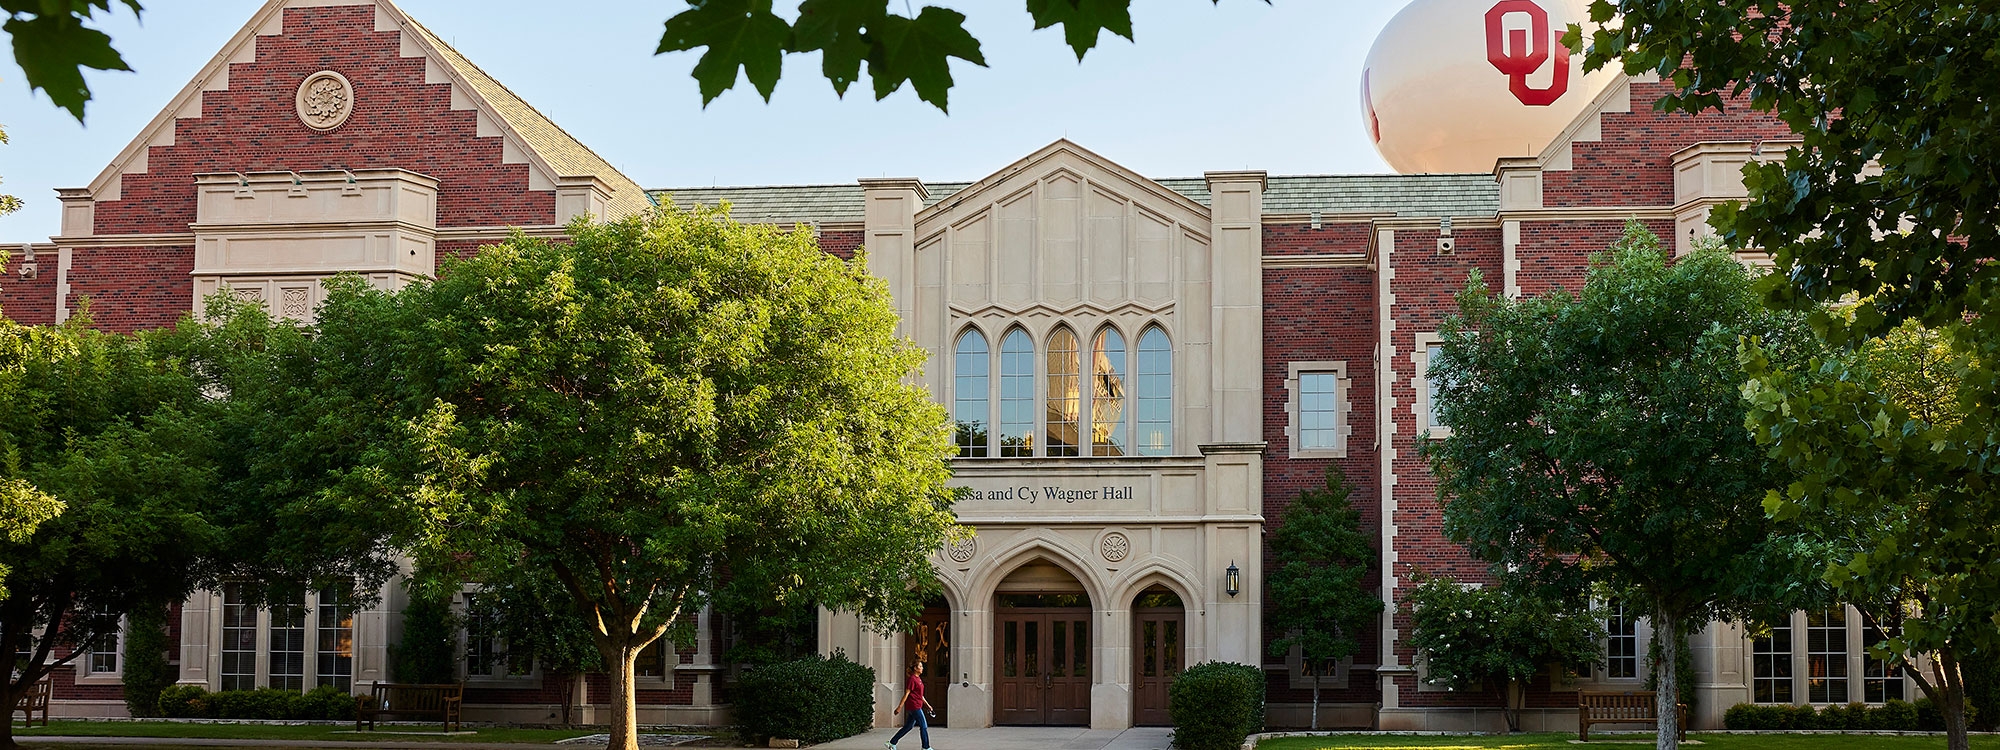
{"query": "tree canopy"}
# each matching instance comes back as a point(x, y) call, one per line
point(53, 44)
point(1320, 601)
point(8, 204)
point(1474, 637)
point(1888, 474)
point(642, 414)
point(1597, 440)
point(109, 430)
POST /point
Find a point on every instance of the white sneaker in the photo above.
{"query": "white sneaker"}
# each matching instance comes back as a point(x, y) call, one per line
point(890, 745)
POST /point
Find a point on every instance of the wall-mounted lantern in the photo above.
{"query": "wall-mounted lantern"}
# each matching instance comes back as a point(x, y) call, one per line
point(1232, 579)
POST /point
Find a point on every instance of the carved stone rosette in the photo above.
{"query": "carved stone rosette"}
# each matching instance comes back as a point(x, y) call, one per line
point(325, 100)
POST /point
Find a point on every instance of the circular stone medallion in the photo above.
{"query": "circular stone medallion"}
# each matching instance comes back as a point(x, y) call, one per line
point(961, 550)
point(1115, 547)
point(325, 100)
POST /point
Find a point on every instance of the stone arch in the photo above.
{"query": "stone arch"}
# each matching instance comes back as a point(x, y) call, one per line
point(1038, 543)
point(1136, 579)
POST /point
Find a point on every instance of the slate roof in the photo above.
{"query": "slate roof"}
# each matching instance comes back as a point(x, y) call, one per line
point(1420, 195)
point(563, 152)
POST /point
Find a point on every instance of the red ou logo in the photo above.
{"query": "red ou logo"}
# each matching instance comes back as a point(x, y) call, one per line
point(1520, 52)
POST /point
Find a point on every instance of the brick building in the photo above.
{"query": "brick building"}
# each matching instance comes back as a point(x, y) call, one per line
point(1238, 333)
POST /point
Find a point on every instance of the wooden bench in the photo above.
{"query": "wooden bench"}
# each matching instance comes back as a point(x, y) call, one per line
point(36, 699)
point(1628, 707)
point(439, 702)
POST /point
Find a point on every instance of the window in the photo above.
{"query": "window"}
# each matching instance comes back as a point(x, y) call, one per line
point(1017, 395)
point(1107, 393)
point(103, 657)
point(288, 643)
point(239, 640)
point(1881, 679)
point(654, 660)
point(1429, 350)
point(486, 652)
point(336, 637)
point(1065, 397)
point(1621, 648)
point(1317, 405)
point(971, 408)
point(1826, 655)
point(1771, 666)
point(1156, 394)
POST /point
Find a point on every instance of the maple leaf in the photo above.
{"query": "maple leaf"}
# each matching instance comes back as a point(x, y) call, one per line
point(741, 34)
point(837, 29)
point(1082, 19)
point(52, 46)
point(919, 50)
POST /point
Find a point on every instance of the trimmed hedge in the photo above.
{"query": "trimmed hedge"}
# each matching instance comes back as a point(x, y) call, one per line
point(814, 699)
point(194, 702)
point(1215, 705)
point(1920, 716)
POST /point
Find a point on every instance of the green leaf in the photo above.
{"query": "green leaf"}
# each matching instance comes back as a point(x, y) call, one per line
point(738, 34)
point(53, 49)
point(1083, 19)
point(837, 30)
point(919, 50)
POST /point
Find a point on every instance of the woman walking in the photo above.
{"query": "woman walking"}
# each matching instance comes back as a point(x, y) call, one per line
point(913, 699)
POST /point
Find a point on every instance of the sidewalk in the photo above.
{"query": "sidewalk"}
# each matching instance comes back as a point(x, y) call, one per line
point(1018, 738)
point(208, 742)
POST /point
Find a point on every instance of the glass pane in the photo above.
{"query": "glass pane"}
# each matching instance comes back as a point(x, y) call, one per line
point(1031, 649)
point(1149, 649)
point(1434, 355)
point(1771, 662)
point(1010, 652)
point(1155, 394)
point(1170, 661)
point(1826, 655)
point(970, 407)
point(1080, 648)
point(1065, 397)
point(1059, 665)
point(239, 640)
point(1107, 394)
point(1017, 395)
point(336, 638)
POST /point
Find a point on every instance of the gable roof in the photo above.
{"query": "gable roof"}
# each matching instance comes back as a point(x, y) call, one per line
point(1416, 195)
point(549, 150)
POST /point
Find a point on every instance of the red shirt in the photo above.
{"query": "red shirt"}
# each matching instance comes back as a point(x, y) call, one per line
point(915, 700)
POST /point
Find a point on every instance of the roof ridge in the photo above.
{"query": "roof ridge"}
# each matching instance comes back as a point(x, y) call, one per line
point(459, 60)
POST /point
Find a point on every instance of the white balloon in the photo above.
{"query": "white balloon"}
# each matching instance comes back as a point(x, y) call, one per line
point(1453, 85)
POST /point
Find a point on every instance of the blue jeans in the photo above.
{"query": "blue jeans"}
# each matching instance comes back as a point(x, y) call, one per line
point(916, 719)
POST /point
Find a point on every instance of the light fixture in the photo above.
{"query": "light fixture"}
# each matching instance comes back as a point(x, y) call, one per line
point(1232, 579)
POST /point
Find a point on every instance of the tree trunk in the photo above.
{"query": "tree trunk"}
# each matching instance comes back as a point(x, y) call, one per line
point(569, 698)
point(9, 695)
point(1516, 699)
point(624, 696)
point(1952, 700)
point(1315, 713)
point(1666, 630)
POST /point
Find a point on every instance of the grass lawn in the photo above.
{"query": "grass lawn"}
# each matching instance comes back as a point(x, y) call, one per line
point(1625, 741)
point(269, 732)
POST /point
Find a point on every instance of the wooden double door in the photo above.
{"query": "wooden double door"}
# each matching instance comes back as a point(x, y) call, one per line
point(1158, 636)
point(1042, 666)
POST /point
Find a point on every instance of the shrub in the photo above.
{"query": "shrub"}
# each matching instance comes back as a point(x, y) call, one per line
point(262, 703)
point(325, 702)
point(1898, 715)
point(428, 651)
point(147, 671)
point(1982, 690)
point(814, 699)
point(1215, 705)
point(186, 702)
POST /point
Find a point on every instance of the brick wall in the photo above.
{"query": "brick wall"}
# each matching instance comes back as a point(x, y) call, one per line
point(1632, 165)
point(29, 301)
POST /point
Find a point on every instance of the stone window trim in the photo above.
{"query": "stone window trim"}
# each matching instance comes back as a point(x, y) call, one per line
point(1420, 407)
point(500, 675)
point(1039, 333)
point(1856, 655)
point(1296, 677)
point(82, 665)
point(1343, 407)
point(261, 675)
point(1600, 674)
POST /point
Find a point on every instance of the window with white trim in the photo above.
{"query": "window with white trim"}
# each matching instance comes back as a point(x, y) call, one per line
point(1017, 395)
point(1317, 408)
point(1826, 655)
point(1429, 349)
point(486, 651)
point(971, 408)
point(1108, 392)
point(1621, 642)
point(335, 650)
point(103, 658)
point(1155, 417)
point(300, 641)
point(1771, 666)
point(239, 640)
point(1097, 396)
point(1881, 679)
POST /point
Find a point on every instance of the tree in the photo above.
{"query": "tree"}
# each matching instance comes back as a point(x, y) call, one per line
point(146, 671)
point(748, 35)
point(53, 46)
point(1887, 463)
point(533, 615)
point(110, 426)
point(1597, 440)
point(8, 204)
point(1319, 599)
point(428, 650)
point(643, 410)
point(1502, 636)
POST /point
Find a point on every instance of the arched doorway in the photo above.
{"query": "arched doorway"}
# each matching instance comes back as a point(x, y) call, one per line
point(1159, 634)
point(1042, 648)
point(931, 642)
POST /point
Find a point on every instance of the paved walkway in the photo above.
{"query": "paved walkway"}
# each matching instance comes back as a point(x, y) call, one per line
point(294, 743)
point(1018, 738)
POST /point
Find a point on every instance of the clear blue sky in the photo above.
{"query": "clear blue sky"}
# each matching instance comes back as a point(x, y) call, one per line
point(1240, 85)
